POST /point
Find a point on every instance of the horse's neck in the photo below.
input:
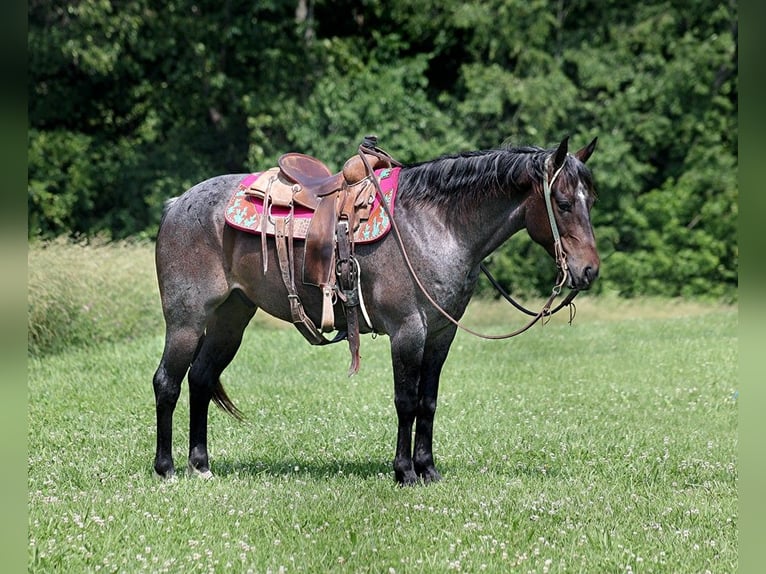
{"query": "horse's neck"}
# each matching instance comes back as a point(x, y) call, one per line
point(495, 222)
point(467, 237)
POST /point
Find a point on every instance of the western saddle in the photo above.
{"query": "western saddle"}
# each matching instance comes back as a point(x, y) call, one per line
point(340, 202)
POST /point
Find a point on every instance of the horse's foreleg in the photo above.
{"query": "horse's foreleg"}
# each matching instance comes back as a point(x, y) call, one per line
point(406, 354)
point(423, 456)
point(437, 347)
point(222, 340)
point(180, 345)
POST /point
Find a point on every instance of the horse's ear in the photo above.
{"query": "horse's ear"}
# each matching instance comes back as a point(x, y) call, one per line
point(561, 154)
point(587, 151)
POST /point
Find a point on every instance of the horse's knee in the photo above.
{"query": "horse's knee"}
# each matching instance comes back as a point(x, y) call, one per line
point(427, 408)
point(406, 404)
point(167, 389)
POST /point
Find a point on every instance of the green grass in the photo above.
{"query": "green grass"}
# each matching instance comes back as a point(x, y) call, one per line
point(81, 294)
point(606, 446)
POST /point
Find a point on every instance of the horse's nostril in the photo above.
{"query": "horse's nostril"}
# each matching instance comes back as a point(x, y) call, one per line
point(590, 274)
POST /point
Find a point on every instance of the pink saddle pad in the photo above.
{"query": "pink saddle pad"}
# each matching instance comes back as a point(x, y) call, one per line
point(244, 211)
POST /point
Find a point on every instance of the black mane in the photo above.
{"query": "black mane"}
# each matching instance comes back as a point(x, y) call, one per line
point(461, 180)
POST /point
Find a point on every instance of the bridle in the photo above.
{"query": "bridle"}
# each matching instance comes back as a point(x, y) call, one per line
point(558, 250)
point(559, 255)
point(368, 147)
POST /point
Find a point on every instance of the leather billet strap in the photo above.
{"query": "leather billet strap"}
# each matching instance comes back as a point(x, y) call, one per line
point(264, 224)
point(348, 284)
point(284, 254)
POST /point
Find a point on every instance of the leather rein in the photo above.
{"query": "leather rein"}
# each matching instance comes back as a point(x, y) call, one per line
point(561, 263)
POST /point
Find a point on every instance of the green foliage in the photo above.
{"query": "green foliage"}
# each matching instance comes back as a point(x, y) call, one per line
point(55, 201)
point(131, 103)
point(387, 100)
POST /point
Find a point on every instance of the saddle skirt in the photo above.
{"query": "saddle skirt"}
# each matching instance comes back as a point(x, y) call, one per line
point(245, 210)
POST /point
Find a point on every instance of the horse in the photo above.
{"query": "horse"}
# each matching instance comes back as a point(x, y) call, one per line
point(451, 213)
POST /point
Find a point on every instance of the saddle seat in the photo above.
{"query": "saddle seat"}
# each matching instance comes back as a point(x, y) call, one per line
point(311, 174)
point(315, 180)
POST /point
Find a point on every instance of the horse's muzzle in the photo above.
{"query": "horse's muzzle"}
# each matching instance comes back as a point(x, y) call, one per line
point(584, 278)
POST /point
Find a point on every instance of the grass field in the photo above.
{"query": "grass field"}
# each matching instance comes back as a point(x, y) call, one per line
point(606, 446)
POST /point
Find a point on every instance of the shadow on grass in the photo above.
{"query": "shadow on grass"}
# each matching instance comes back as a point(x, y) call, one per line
point(307, 468)
point(317, 469)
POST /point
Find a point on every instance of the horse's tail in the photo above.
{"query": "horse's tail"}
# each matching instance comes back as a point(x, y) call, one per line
point(222, 400)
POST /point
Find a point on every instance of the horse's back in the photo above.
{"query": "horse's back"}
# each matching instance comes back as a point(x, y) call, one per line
point(200, 209)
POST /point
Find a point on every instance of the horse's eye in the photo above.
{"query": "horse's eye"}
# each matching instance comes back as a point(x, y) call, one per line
point(564, 205)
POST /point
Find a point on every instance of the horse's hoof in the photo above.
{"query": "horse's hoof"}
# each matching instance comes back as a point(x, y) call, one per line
point(197, 473)
point(409, 478)
point(169, 476)
point(431, 475)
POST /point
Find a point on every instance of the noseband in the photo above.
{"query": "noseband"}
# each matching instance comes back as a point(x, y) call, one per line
point(559, 254)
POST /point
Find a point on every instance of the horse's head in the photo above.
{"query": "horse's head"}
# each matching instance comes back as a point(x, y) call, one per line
point(569, 185)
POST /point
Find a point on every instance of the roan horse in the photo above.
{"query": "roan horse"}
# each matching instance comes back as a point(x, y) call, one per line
point(451, 213)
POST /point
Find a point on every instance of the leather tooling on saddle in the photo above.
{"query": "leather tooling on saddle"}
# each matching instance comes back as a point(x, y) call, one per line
point(245, 209)
point(303, 200)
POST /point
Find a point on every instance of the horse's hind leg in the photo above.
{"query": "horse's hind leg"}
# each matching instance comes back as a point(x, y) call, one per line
point(221, 342)
point(181, 343)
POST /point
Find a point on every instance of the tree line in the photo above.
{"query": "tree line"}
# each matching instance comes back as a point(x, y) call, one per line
point(131, 102)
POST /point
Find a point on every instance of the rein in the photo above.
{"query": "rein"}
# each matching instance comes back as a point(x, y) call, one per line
point(368, 147)
point(507, 296)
